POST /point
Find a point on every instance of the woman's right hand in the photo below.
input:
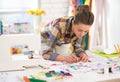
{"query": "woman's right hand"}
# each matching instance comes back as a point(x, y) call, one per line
point(72, 58)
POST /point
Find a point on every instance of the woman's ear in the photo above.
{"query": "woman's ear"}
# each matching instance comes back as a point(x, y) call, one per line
point(73, 22)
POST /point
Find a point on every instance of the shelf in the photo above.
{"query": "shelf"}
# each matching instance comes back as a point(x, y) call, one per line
point(8, 11)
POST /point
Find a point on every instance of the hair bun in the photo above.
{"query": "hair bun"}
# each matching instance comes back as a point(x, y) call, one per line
point(82, 7)
point(83, 15)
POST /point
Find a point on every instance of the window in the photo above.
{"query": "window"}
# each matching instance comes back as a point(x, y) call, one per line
point(14, 16)
point(16, 20)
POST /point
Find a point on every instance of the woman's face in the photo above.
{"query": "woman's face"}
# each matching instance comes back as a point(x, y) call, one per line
point(80, 29)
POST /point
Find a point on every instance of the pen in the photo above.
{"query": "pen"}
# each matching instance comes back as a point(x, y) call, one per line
point(26, 67)
point(43, 67)
point(36, 80)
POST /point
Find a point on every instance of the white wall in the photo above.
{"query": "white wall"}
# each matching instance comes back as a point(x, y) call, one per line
point(32, 40)
point(54, 9)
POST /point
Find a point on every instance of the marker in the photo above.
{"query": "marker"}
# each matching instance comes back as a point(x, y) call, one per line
point(26, 79)
point(110, 69)
point(73, 67)
point(59, 77)
point(36, 80)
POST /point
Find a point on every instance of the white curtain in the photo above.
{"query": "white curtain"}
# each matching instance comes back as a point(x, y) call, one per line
point(96, 32)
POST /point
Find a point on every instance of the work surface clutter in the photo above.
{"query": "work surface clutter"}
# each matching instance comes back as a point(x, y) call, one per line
point(53, 71)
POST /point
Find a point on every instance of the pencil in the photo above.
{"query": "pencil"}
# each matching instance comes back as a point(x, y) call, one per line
point(116, 49)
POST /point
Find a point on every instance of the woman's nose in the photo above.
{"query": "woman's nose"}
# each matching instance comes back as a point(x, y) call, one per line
point(82, 34)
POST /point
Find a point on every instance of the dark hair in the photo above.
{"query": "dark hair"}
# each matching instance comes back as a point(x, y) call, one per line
point(83, 15)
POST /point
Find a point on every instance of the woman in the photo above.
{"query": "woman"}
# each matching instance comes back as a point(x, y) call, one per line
point(68, 30)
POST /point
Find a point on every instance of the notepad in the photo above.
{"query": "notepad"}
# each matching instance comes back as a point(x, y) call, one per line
point(112, 55)
point(10, 77)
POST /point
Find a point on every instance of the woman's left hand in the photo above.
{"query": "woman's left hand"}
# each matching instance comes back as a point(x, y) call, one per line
point(83, 57)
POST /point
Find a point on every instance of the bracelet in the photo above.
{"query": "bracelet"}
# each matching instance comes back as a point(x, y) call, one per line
point(78, 53)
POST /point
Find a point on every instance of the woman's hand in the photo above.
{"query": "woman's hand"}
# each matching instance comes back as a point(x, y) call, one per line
point(83, 57)
point(70, 59)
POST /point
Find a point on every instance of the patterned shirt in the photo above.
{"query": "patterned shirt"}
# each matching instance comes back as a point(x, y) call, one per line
point(59, 32)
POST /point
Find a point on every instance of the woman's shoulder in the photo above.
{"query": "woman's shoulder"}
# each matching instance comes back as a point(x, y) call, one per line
point(62, 19)
point(65, 18)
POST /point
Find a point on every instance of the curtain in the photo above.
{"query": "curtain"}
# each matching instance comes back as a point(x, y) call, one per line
point(96, 31)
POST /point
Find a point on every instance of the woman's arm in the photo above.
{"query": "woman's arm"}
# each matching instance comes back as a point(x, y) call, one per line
point(80, 50)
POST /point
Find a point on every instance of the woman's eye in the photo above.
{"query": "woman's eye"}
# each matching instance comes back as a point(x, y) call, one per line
point(86, 31)
point(79, 30)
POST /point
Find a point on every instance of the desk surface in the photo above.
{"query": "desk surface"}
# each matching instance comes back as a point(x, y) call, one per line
point(85, 72)
point(17, 76)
